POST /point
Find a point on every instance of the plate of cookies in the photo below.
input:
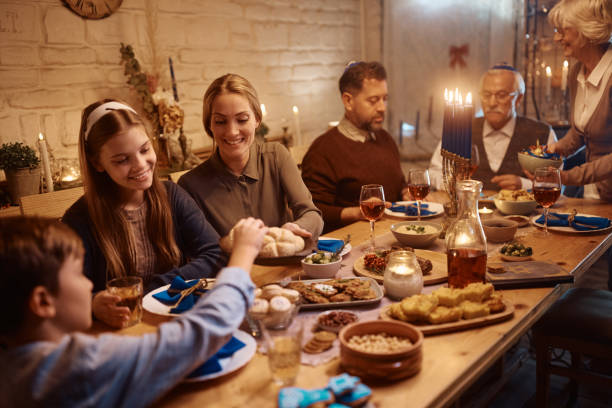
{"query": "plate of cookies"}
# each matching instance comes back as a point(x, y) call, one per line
point(451, 309)
point(331, 293)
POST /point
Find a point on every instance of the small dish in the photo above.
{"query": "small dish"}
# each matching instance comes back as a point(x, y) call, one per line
point(521, 220)
point(335, 320)
point(321, 271)
point(530, 163)
point(510, 207)
point(499, 229)
point(516, 258)
point(413, 239)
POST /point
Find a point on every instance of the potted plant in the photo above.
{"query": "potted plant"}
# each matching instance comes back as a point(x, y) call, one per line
point(22, 169)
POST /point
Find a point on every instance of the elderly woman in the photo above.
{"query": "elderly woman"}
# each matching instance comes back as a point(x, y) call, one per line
point(244, 178)
point(584, 29)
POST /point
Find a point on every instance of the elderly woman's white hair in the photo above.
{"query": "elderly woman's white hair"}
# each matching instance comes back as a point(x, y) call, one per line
point(519, 82)
point(591, 18)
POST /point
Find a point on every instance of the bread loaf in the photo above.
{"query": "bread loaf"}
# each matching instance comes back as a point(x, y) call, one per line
point(277, 242)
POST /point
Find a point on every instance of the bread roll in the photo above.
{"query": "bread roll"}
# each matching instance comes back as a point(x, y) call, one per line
point(277, 242)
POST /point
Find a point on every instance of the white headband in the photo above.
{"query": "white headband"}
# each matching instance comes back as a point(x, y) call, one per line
point(102, 110)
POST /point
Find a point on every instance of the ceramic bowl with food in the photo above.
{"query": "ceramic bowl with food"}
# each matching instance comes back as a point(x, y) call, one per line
point(368, 349)
point(509, 207)
point(321, 265)
point(521, 220)
point(530, 163)
point(335, 320)
point(416, 234)
point(499, 229)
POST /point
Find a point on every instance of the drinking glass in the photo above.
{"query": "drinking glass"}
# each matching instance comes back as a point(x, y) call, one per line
point(129, 289)
point(372, 205)
point(546, 189)
point(474, 160)
point(284, 348)
point(418, 185)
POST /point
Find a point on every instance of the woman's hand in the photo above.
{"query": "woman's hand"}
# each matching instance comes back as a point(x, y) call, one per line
point(105, 308)
point(297, 230)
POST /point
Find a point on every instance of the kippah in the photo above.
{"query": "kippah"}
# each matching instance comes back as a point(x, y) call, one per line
point(351, 65)
point(505, 66)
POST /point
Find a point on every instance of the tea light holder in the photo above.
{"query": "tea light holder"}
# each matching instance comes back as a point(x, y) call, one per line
point(403, 276)
point(485, 212)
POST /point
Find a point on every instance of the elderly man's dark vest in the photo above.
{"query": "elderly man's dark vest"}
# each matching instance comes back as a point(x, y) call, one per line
point(526, 132)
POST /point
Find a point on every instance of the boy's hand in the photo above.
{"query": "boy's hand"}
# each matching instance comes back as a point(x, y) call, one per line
point(105, 308)
point(248, 238)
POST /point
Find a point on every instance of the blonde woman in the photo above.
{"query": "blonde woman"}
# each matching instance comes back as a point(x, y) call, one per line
point(130, 222)
point(584, 29)
point(244, 178)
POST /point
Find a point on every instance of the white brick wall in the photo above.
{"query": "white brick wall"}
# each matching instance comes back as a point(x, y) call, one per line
point(53, 63)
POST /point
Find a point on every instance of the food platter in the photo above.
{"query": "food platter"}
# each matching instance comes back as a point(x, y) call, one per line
point(437, 209)
point(378, 292)
point(438, 273)
point(429, 329)
point(230, 364)
point(152, 305)
point(570, 230)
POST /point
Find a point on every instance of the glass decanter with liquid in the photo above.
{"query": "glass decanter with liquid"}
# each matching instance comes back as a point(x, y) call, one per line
point(466, 245)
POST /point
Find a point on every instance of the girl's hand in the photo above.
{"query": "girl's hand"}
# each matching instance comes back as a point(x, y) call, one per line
point(297, 230)
point(105, 308)
point(249, 233)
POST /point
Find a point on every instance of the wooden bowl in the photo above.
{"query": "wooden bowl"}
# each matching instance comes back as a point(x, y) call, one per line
point(388, 366)
point(499, 229)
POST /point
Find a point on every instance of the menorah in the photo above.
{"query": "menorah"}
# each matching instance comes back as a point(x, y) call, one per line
point(456, 143)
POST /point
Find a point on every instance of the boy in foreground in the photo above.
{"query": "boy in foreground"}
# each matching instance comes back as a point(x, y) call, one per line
point(45, 299)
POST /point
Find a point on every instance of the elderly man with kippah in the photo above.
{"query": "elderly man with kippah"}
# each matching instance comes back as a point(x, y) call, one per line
point(501, 133)
point(356, 152)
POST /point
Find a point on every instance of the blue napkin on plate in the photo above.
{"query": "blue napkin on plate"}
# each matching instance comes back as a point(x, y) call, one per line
point(330, 245)
point(212, 365)
point(176, 286)
point(411, 209)
point(580, 223)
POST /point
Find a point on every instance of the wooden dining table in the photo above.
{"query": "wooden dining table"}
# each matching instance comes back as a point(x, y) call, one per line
point(452, 362)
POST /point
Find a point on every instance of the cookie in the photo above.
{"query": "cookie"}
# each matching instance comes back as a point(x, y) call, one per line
point(269, 291)
point(279, 304)
point(357, 397)
point(325, 336)
point(342, 384)
point(260, 308)
point(293, 397)
point(292, 295)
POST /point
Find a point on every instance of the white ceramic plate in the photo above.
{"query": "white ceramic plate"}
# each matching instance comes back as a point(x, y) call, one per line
point(347, 247)
point(152, 305)
point(569, 230)
point(235, 361)
point(437, 209)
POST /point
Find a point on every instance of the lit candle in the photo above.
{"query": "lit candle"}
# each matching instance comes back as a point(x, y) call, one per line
point(485, 212)
point(548, 79)
point(263, 111)
point(460, 119)
point(44, 156)
point(445, 121)
point(564, 76)
point(296, 124)
point(469, 113)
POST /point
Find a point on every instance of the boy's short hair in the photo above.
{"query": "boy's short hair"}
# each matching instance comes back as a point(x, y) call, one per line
point(32, 251)
point(351, 80)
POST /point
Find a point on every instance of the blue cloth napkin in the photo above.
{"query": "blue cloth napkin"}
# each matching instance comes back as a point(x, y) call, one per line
point(581, 223)
point(545, 155)
point(411, 209)
point(178, 284)
point(212, 365)
point(330, 245)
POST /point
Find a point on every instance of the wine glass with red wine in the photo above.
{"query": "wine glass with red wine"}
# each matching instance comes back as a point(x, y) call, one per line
point(372, 205)
point(418, 185)
point(474, 160)
point(546, 189)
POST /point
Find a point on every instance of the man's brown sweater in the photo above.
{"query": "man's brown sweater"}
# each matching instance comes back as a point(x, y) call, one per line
point(335, 167)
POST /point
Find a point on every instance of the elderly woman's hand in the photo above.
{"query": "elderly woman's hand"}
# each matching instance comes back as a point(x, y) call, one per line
point(297, 230)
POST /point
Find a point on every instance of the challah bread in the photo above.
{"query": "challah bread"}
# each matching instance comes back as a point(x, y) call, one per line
point(277, 242)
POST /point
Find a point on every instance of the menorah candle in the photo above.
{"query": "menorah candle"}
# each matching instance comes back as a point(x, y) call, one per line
point(44, 157)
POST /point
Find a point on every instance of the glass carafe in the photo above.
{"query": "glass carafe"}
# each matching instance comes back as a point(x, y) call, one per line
point(466, 245)
point(403, 276)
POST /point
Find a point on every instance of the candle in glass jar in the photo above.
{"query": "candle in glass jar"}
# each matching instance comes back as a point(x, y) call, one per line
point(44, 157)
point(403, 276)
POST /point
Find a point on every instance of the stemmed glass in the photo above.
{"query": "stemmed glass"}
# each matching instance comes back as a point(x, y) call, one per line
point(372, 205)
point(546, 189)
point(418, 185)
point(474, 160)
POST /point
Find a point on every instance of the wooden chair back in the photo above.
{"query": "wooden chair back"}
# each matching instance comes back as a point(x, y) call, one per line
point(177, 175)
point(52, 204)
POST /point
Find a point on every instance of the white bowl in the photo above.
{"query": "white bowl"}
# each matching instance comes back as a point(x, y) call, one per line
point(416, 240)
point(530, 163)
point(321, 271)
point(509, 207)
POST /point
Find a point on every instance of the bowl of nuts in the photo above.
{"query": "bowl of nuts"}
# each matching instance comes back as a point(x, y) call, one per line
point(381, 349)
point(335, 320)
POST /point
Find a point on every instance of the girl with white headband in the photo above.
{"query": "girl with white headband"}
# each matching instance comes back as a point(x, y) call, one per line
point(131, 223)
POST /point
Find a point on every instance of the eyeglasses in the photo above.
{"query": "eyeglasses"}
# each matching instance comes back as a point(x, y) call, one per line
point(501, 96)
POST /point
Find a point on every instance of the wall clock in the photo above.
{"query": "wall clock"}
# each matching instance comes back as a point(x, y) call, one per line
point(93, 9)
